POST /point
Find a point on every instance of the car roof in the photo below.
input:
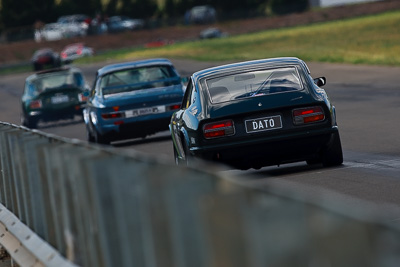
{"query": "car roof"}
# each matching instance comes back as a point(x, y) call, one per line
point(133, 64)
point(270, 62)
point(55, 70)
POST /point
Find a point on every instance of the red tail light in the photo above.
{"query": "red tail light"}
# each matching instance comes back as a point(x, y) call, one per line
point(35, 104)
point(113, 115)
point(218, 129)
point(308, 115)
point(82, 98)
point(174, 107)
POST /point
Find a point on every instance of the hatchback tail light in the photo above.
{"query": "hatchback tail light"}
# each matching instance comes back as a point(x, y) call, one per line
point(218, 129)
point(113, 115)
point(35, 104)
point(308, 115)
point(173, 107)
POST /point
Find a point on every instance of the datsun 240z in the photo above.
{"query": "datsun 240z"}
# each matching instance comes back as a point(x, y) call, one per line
point(256, 113)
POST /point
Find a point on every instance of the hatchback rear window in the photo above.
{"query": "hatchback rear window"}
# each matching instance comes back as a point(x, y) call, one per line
point(138, 79)
point(253, 84)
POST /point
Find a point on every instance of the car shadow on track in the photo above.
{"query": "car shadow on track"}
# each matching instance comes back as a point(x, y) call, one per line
point(284, 170)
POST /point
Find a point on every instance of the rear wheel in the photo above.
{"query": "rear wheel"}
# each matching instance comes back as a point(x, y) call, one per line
point(101, 139)
point(30, 122)
point(333, 155)
point(188, 158)
point(89, 136)
point(37, 66)
point(313, 161)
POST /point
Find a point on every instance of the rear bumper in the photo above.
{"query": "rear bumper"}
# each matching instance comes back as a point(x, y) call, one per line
point(137, 128)
point(56, 114)
point(269, 150)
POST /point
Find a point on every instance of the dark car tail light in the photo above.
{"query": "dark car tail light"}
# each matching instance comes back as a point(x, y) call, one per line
point(308, 115)
point(35, 104)
point(82, 97)
point(218, 129)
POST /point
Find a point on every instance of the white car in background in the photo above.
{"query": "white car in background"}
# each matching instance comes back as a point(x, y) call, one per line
point(50, 32)
point(74, 25)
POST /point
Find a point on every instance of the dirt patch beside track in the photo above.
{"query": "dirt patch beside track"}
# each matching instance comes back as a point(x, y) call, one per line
point(22, 51)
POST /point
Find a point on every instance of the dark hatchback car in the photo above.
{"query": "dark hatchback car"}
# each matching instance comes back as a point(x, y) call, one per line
point(257, 113)
point(53, 95)
point(133, 99)
point(45, 58)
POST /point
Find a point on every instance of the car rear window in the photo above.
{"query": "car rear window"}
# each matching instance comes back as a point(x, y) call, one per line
point(138, 79)
point(56, 81)
point(253, 84)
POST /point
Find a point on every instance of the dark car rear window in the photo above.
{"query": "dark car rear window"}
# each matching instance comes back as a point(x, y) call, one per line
point(253, 83)
point(56, 81)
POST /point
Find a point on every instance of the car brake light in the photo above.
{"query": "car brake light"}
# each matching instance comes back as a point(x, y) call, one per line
point(82, 98)
point(35, 104)
point(64, 55)
point(113, 115)
point(308, 115)
point(218, 129)
point(174, 107)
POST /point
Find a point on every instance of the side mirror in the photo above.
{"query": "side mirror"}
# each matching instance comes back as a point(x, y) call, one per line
point(321, 81)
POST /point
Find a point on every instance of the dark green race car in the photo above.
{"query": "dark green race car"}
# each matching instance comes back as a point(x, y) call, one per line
point(257, 113)
point(53, 95)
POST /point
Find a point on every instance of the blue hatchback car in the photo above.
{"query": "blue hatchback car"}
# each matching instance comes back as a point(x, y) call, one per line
point(133, 99)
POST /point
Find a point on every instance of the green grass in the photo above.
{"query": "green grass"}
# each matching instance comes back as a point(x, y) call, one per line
point(365, 40)
point(373, 40)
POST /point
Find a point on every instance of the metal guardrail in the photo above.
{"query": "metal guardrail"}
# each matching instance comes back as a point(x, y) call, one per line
point(87, 205)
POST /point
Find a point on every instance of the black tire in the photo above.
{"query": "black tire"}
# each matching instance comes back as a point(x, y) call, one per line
point(188, 158)
point(101, 139)
point(30, 122)
point(89, 136)
point(313, 161)
point(37, 67)
point(333, 155)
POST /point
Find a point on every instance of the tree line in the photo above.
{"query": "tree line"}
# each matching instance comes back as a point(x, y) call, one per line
point(26, 12)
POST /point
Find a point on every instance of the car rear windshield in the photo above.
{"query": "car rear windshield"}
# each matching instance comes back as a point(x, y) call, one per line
point(56, 81)
point(253, 83)
point(138, 79)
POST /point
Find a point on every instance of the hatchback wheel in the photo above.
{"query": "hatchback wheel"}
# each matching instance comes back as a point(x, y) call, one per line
point(101, 139)
point(89, 136)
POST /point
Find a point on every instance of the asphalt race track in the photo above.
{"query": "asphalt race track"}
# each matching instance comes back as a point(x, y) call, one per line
point(367, 101)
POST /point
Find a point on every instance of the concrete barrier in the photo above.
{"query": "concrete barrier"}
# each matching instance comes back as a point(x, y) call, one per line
point(87, 205)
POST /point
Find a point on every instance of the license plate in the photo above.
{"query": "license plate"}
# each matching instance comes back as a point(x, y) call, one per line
point(263, 124)
point(59, 99)
point(144, 111)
